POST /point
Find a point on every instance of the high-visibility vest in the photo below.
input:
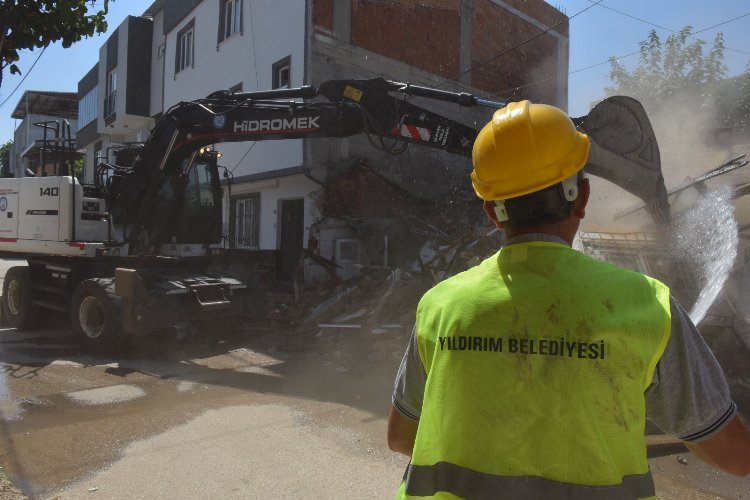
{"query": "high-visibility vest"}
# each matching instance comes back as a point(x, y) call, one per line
point(537, 361)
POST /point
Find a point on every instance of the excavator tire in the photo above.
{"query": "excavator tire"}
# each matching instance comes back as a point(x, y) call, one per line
point(18, 309)
point(96, 316)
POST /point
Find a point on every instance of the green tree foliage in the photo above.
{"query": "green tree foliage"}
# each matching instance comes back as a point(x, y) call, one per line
point(675, 76)
point(76, 168)
point(5, 159)
point(735, 102)
point(674, 68)
point(30, 24)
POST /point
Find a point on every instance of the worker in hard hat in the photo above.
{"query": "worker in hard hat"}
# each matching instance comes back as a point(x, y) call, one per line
point(531, 375)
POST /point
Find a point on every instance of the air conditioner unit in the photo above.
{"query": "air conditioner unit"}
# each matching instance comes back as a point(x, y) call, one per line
point(347, 256)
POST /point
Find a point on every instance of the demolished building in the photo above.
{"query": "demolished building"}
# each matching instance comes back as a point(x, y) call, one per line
point(407, 243)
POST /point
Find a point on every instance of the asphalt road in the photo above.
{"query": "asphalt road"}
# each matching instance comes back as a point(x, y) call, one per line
point(254, 416)
point(266, 412)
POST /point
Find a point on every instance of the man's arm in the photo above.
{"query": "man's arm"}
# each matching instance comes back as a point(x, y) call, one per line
point(401, 432)
point(728, 449)
point(408, 392)
point(690, 399)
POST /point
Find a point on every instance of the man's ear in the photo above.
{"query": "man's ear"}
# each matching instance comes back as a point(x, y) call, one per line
point(489, 209)
point(579, 204)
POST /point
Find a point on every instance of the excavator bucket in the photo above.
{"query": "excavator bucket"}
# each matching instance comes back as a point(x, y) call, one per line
point(624, 151)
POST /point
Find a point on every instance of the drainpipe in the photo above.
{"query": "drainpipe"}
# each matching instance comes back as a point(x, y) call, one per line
point(28, 119)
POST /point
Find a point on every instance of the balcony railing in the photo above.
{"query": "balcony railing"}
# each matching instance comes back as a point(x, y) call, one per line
point(109, 104)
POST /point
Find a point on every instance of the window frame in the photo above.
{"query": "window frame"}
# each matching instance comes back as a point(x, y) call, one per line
point(110, 93)
point(253, 242)
point(185, 56)
point(278, 66)
point(231, 11)
point(87, 107)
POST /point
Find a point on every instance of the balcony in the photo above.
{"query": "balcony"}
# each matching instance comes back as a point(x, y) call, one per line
point(109, 107)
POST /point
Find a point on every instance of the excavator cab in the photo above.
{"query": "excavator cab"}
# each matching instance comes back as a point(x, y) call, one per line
point(188, 205)
point(187, 208)
point(201, 214)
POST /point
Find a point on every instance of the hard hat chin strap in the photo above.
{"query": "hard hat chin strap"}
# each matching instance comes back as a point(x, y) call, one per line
point(567, 189)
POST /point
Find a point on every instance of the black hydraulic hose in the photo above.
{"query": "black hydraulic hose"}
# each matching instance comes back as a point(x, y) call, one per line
point(460, 98)
point(304, 92)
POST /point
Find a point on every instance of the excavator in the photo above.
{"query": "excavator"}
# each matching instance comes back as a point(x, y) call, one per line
point(130, 254)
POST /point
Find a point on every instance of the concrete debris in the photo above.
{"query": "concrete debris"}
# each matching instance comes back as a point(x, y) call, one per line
point(393, 279)
point(330, 303)
point(348, 316)
point(377, 297)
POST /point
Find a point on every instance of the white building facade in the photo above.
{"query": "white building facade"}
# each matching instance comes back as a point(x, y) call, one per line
point(182, 50)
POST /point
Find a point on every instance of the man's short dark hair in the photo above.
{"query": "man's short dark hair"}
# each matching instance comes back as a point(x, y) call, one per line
point(539, 208)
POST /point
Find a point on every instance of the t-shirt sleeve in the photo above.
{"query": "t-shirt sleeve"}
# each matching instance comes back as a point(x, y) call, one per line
point(689, 397)
point(408, 391)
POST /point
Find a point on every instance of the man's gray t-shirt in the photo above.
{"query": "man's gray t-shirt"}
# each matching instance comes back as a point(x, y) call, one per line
point(688, 397)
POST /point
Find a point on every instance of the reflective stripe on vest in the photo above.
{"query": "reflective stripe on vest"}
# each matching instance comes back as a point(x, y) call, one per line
point(428, 480)
point(537, 361)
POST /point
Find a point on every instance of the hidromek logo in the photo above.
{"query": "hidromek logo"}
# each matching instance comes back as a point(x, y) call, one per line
point(304, 122)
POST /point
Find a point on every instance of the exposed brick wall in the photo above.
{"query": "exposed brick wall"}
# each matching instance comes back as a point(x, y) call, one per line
point(361, 193)
point(425, 34)
point(542, 12)
point(323, 15)
point(497, 31)
point(421, 33)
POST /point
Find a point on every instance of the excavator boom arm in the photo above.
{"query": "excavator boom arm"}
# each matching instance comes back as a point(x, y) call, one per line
point(377, 107)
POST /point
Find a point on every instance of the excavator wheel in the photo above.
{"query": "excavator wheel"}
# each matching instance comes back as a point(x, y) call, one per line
point(96, 316)
point(18, 309)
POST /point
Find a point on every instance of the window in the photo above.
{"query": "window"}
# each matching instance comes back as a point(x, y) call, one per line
point(184, 57)
point(281, 73)
point(98, 158)
point(199, 187)
point(230, 18)
point(245, 223)
point(109, 98)
point(87, 108)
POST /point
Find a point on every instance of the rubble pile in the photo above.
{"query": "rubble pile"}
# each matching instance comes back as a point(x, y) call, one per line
point(381, 298)
point(375, 249)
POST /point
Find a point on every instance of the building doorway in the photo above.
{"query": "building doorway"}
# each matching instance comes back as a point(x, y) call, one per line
point(292, 228)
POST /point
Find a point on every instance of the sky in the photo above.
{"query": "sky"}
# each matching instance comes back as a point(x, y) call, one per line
point(598, 30)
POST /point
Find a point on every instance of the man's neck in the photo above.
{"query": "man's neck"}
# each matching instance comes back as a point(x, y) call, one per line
point(535, 237)
point(564, 230)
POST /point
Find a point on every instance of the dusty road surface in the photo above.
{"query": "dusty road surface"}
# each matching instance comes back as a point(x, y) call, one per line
point(267, 412)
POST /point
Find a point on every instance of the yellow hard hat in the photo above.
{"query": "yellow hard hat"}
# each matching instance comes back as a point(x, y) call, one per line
point(524, 148)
